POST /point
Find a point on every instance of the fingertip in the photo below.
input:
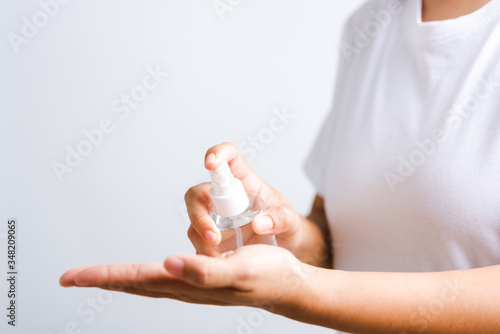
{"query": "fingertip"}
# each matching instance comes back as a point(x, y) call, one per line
point(68, 278)
point(222, 152)
point(65, 282)
point(210, 161)
point(213, 238)
point(263, 224)
point(90, 275)
point(175, 265)
point(81, 279)
point(210, 236)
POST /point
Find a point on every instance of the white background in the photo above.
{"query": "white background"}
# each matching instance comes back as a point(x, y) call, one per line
point(124, 202)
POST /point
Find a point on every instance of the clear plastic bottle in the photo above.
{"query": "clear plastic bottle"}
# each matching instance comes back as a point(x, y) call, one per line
point(233, 210)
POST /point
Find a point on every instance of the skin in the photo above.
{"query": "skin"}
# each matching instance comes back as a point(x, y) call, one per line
point(296, 280)
point(437, 10)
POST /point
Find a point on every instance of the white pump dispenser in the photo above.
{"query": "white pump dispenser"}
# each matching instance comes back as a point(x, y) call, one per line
point(233, 210)
point(228, 195)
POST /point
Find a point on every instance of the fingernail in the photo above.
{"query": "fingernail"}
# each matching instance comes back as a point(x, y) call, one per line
point(210, 158)
point(227, 254)
point(81, 280)
point(265, 224)
point(210, 236)
point(65, 284)
point(175, 266)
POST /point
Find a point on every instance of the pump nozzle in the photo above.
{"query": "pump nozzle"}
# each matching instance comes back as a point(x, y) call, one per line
point(228, 195)
point(221, 176)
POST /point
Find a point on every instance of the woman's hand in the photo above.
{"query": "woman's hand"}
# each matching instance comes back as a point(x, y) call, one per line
point(271, 278)
point(257, 275)
point(279, 219)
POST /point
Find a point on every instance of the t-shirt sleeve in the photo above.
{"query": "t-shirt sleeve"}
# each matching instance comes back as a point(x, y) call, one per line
point(316, 165)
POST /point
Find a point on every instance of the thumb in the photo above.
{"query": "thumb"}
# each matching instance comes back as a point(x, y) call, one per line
point(277, 220)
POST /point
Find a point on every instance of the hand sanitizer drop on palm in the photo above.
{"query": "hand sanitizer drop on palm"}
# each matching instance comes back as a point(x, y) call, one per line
point(233, 211)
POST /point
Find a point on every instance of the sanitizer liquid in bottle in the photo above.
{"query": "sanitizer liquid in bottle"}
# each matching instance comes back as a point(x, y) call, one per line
point(233, 211)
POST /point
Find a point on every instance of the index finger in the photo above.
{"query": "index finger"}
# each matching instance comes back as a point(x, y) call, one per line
point(197, 203)
point(115, 276)
point(239, 166)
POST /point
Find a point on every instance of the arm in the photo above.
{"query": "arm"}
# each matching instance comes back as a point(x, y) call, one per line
point(272, 278)
point(316, 247)
point(466, 301)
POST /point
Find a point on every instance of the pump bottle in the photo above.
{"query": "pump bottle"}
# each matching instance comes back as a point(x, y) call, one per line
point(233, 210)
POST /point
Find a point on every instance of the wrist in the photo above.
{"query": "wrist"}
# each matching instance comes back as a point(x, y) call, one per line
point(315, 247)
point(315, 297)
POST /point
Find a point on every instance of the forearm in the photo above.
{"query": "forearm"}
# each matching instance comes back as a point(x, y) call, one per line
point(315, 248)
point(466, 301)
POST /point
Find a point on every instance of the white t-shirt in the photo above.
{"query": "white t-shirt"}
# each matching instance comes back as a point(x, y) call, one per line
point(408, 161)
